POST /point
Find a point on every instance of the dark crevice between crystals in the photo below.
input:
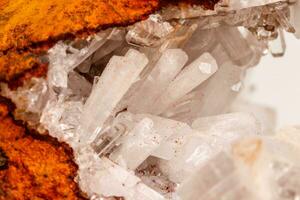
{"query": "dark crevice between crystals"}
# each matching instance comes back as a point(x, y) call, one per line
point(3, 160)
point(206, 4)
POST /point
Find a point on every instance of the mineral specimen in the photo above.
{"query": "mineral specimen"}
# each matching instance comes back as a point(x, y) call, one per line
point(150, 109)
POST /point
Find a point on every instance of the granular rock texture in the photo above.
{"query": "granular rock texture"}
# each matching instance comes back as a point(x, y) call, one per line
point(16, 66)
point(26, 23)
point(31, 166)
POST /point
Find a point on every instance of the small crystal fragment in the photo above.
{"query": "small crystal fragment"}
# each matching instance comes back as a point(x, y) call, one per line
point(151, 32)
point(236, 87)
point(278, 46)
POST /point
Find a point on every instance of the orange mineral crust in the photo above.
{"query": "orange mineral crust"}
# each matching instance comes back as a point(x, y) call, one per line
point(33, 166)
point(26, 23)
point(14, 65)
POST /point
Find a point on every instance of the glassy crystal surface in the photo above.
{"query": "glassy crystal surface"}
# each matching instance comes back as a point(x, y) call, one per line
point(113, 84)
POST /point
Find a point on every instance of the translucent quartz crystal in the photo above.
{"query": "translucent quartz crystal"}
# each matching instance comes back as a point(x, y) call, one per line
point(283, 19)
point(276, 161)
point(108, 179)
point(168, 149)
point(236, 123)
point(265, 115)
point(210, 136)
point(253, 161)
point(148, 134)
point(222, 6)
point(151, 32)
point(79, 85)
point(62, 62)
point(166, 69)
point(109, 90)
point(237, 4)
point(217, 179)
point(236, 47)
point(191, 77)
point(31, 97)
point(61, 118)
point(200, 42)
point(209, 93)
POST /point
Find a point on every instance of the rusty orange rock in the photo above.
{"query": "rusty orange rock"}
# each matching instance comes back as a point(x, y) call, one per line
point(32, 22)
point(33, 166)
point(14, 64)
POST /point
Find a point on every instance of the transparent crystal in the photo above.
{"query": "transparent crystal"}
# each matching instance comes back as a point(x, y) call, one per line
point(191, 77)
point(166, 69)
point(115, 81)
point(151, 32)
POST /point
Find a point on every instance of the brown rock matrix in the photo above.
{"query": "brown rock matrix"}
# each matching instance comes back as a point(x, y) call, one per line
point(33, 166)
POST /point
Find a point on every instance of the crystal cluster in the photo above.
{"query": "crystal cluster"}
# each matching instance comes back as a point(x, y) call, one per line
point(151, 109)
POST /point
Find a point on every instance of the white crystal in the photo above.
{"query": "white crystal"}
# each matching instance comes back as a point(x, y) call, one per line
point(61, 118)
point(110, 180)
point(31, 97)
point(235, 45)
point(264, 114)
point(119, 75)
point(150, 32)
point(148, 137)
point(191, 77)
point(212, 181)
point(238, 4)
point(212, 135)
point(235, 123)
point(138, 144)
point(167, 67)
